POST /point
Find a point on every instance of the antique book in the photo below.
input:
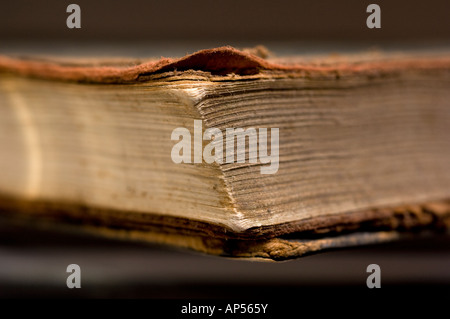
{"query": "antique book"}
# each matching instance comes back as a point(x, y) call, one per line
point(230, 152)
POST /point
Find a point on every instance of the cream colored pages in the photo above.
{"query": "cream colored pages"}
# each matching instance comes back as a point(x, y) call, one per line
point(354, 148)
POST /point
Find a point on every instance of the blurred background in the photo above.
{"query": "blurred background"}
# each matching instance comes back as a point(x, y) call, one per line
point(33, 261)
point(148, 28)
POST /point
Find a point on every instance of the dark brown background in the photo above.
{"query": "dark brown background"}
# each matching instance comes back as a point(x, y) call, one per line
point(232, 20)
